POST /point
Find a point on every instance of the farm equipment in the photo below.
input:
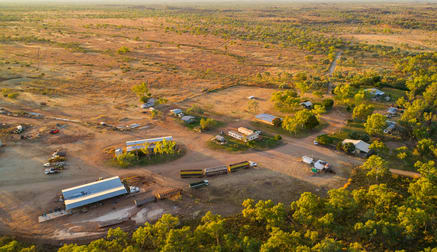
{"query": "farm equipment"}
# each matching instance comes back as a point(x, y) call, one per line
point(197, 185)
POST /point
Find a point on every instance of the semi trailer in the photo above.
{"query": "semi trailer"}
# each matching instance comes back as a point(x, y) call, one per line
point(215, 171)
point(241, 165)
point(191, 173)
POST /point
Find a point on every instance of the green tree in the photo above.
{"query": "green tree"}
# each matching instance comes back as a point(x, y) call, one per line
point(344, 91)
point(307, 208)
point(142, 91)
point(379, 148)
point(208, 123)
point(277, 122)
point(179, 240)
point(376, 168)
point(303, 119)
point(348, 148)
point(375, 124)
point(362, 111)
point(281, 241)
point(328, 104)
point(252, 106)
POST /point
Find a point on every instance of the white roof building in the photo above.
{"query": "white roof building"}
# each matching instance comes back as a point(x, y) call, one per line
point(360, 145)
point(392, 110)
point(188, 119)
point(374, 91)
point(245, 131)
point(307, 104)
point(139, 144)
point(176, 111)
point(93, 192)
point(266, 118)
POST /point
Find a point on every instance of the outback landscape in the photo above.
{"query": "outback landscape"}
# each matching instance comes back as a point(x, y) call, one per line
point(319, 120)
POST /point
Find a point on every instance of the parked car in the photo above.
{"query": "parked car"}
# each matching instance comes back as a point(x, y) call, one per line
point(50, 171)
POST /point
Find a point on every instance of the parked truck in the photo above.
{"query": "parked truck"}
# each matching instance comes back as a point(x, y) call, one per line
point(199, 184)
point(241, 165)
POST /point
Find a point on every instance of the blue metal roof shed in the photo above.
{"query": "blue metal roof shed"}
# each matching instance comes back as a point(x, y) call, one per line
point(93, 192)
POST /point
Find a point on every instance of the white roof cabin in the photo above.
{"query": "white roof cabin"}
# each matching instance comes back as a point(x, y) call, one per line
point(359, 145)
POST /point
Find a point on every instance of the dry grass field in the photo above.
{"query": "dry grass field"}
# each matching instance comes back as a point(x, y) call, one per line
point(80, 63)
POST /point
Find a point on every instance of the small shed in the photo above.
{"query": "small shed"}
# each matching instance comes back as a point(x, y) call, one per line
point(307, 104)
point(150, 103)
point(176, 111)
point(219, 138)
point(374, 92)
point(188, 119)
point(266, 118)
point(360, 145)
point(392, 111)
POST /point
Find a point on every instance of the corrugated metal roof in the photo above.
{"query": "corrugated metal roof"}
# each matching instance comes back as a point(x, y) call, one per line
point(150, 140)
point(359, 144)
point(93, 192)
point(266, 117)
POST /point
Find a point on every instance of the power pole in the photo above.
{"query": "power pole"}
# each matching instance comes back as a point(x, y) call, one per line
point(38, 59)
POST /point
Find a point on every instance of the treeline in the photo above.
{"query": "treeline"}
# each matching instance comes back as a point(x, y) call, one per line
point(374, 211)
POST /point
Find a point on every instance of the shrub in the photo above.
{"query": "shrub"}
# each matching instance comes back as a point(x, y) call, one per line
point(325, 139)
point(278, 137)
point(362, 111)
point(348, 148)
point(13, 95)
point(339, 146)
point(194, 109)
point(123, 50)
point(208, 123)
point(328, 103)
point(277, 122)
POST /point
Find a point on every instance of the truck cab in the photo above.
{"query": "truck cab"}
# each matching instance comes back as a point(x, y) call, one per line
point(253, 164)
